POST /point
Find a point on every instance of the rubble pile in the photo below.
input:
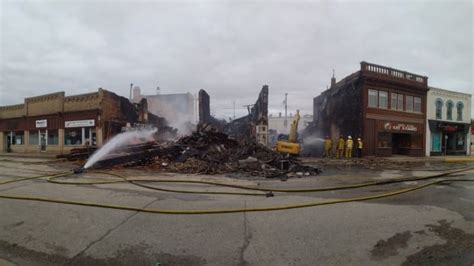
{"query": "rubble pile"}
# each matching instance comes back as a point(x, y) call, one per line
point(209, 152)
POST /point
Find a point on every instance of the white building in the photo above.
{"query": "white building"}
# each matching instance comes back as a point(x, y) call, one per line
point(448, 122)
point(278, 123)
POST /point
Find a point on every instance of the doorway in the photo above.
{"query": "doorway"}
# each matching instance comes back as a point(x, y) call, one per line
point(400, 143)
point(43, 139)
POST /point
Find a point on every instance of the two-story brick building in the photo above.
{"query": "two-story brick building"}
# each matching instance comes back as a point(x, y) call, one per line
point(448, 123)
point(384, 106)
point(57, 123)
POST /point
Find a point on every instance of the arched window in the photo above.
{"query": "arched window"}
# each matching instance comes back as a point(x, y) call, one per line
point(449, 111)
point(459, 107)
point(439, 108)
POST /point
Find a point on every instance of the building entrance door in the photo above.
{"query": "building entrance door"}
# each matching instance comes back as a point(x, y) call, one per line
point(400, 143)
point(43, 141)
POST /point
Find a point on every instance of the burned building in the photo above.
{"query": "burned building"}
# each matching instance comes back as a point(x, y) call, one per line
point(252, 126)
point(384, 106)
point(57, 123)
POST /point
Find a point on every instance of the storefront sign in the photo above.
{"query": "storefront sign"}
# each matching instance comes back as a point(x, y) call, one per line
point(400, 127)
point(41, 123)
point(79, 123)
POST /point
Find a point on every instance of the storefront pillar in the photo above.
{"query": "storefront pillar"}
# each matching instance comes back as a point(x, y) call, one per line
point(99, 136)
point(61, 140)
point(3, 142)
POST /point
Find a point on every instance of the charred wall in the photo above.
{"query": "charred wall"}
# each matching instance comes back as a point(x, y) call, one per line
point(241, 128)
point(338, 110)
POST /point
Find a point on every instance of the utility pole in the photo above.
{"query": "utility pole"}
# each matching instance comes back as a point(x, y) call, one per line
point(131, 86)
point(285, 122)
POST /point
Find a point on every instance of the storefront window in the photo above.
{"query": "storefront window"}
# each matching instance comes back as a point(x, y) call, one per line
point(436, 142)
point(73, 136)
point(439, 108)
point(34, 137)
point(417, 104)
point(459, 107)
point(18, 138)
point(383, 99)
point(384, 140)
point(460, 140)
point(409, 103)
point(449, 111)
point(53, 137)
point(416, 141)
point(373, 98)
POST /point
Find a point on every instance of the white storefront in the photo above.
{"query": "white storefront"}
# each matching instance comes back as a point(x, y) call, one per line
point(448, 122)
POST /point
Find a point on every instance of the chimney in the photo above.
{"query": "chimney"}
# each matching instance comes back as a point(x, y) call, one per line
point(333, 79)
point(136, 94)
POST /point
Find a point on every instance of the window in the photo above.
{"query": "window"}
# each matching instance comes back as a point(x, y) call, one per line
point(449, 111)
point(393, 101)
point(400, 102)
point(34, 137)
point(18, 138)
point(459, 107)
point(409, 103)
point(384, 140)
point(439, 108)
point(53, 137)
point(73, 136)
point(417, 104)
point(373, 98)
point(383, 99)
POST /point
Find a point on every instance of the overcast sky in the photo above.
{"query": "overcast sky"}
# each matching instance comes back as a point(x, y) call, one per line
point(230, 49)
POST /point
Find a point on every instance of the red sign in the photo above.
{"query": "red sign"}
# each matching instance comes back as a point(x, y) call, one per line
point(400, 127)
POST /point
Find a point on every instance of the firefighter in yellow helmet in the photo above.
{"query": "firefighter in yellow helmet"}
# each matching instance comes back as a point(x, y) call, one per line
point(359, 146)
point(327, 147)
point(349, 145)
point(340, 147)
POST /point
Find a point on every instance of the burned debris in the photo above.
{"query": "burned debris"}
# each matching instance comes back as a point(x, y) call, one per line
point(208, 152)
point(253, 126)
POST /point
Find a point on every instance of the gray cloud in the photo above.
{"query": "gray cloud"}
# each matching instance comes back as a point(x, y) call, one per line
point(229, 48)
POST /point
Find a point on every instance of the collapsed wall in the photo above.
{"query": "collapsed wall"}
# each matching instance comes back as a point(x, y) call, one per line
point(252, 127)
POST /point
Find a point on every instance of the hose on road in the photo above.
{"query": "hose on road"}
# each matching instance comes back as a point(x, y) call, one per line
point(52, 178)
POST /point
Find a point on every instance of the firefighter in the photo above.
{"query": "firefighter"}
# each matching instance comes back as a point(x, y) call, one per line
point(360, 146)
point(327, 147)
point(349, 145)
point(340, 147)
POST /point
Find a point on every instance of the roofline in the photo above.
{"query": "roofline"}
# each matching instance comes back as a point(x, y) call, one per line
point(434, 88)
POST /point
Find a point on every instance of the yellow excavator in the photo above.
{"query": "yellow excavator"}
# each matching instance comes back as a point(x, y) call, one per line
point(288, 144)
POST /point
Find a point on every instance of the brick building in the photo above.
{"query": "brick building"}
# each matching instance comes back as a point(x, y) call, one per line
point(384, 106)
point(57, 123)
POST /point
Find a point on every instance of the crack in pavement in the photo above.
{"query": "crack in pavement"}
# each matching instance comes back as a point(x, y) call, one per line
point(247, 236)
point(78, 255)
point(5, 189)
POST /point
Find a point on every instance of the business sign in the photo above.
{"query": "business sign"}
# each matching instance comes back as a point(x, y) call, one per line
point(41, 123)
point(79, 123)
point(390, 126)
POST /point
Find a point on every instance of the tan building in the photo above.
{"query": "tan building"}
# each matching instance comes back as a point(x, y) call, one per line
point(57, 123)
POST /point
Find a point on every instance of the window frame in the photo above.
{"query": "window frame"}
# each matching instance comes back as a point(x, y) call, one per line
point(380, 99)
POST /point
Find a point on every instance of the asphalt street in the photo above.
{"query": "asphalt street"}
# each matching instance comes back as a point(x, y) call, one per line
point(431, 226)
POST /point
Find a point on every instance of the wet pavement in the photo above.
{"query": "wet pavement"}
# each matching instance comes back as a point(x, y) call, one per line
point(430, 226)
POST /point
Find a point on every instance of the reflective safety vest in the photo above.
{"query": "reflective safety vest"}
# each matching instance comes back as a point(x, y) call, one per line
point(360, 144)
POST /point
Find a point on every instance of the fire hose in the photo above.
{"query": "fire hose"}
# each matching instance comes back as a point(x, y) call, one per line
point(52, 179)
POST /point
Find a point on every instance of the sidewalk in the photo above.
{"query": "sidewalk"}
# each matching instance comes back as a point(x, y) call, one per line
point(29, 155)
